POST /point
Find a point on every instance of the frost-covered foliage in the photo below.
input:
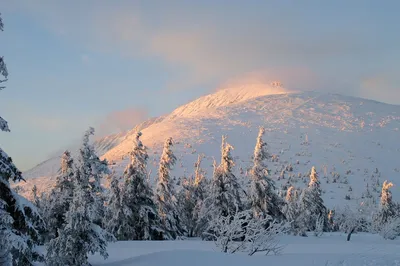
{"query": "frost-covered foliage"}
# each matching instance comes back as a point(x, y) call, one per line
point(80, 235)
point(200, 192)
point(187, 205)
point(94, 169)
point(165, 195)
point(225, 195)
point(387, 210)
point(391, 229)
point(191, 199)
point(312, 205)
point(132, 211)
point(349, 220)
point(56, 205)
point(292, 213)
point(19, 219)
point(244, 232)
point(114, 218)
point(264, 200)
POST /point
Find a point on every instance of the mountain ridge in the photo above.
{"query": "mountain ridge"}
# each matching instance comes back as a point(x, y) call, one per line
point(332, 131)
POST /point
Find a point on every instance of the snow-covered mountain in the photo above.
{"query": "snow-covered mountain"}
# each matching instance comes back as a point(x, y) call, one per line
point(351, 141)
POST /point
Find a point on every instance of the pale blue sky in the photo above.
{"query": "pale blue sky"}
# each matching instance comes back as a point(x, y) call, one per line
point(107, 64)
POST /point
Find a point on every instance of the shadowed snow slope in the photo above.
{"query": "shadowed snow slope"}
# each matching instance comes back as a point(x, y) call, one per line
point(345, 138)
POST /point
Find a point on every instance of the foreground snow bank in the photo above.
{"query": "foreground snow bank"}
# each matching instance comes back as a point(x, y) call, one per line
point(328, 250)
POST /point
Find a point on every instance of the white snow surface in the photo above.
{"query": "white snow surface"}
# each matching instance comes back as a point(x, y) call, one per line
point(327, 250)
point(336, 134)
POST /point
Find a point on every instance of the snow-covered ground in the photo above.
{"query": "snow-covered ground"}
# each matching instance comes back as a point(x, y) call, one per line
point(327, 250)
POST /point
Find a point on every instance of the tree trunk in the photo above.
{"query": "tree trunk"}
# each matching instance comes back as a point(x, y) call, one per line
point(349, 234)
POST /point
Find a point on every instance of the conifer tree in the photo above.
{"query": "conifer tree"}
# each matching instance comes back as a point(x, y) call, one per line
point(292, 212)
point(165, 194)
point(81, 233)
point(95, 169)
point(224, 199)
point(386, 206)
point(115, 218)
point(186, 205)
point(200, 192)
point(60, 197)
point(312, 205)
point(139, 218)
point(19, 219)
point(264, 201)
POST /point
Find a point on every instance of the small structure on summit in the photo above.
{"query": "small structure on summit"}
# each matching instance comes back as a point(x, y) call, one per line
point(276, 84)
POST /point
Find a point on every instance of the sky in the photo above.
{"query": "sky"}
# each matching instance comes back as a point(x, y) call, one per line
point(111, 64)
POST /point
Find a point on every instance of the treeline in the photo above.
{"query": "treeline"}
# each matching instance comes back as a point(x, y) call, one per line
point(79, 216)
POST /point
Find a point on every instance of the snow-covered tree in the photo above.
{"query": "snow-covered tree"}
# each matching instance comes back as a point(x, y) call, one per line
point(19, 219)
point(115, 219)
point(200, 192)
point(349, 221)
point(292, 212)
point(95, 169)
point(59, 199)
point(200, 181)
point(186, 205)
point(391, 229)
point(243, 232)
point(312, 205)
point(386, 206)
point(264, 200)
point(81, 234)
point(64, 181)
point(139, 219)
point(165, 194)
point(225, 193)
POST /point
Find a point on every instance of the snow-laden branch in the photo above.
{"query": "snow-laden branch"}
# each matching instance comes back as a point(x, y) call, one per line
point(243, 232)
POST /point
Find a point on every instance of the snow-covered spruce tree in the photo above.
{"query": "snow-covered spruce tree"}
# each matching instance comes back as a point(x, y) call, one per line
point(95, 169)
point(19, 218)
point(292, 212)
point(224, 198)
point(186, 205)
point(81, 234)
point(165, 195)
point(140, 219)
point(191, 199)
point(200, 181)
point(386, 207)
point(20, 221)
point(59, 198)
point(114, 218)
point(200, 192)
point(264, 201)
point(312, 205)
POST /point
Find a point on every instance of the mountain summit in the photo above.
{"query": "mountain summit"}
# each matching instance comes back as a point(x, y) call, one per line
point(351, 141)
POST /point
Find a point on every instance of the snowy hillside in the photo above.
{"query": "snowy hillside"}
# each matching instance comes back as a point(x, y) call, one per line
point(347, 139)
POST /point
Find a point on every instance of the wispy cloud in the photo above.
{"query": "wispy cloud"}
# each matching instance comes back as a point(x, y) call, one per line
point(203, 48)
point(122, 120)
